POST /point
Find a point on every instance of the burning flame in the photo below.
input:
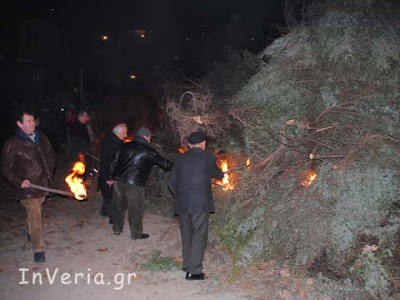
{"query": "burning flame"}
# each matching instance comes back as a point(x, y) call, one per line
point(248, 163)
point(310, 177)
point(75, 183)
point(227, 185)
point(181, 150)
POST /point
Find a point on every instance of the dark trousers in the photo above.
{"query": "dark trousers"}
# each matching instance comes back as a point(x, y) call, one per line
point(106, 208)
point(194, 234)
point(129, 197)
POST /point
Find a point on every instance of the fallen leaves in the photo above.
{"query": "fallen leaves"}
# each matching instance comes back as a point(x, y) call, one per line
point(102, 249)
point(285, 273)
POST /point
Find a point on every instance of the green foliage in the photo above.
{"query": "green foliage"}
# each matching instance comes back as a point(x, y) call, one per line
point(370, 268)
point(337, 80)
point(158, 263)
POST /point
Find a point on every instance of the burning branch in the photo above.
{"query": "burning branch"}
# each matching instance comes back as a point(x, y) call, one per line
point(76, 183)
point(50, 190)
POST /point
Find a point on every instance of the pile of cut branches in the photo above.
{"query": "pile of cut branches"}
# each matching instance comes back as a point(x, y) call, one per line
point(199, 111)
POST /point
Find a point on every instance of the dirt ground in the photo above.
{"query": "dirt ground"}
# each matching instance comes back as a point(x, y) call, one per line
point(84, 260)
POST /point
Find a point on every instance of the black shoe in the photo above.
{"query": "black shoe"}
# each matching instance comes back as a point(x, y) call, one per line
point(190, 276)
point(117, 233)
point(39, 257)
point(141, 237)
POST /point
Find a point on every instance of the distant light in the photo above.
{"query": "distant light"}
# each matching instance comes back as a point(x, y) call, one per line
point(104, 37)
point(252, 39)
point(187, 39)
point(132, 76)
point(62, 109)
point(142, 36)
point(176, 57)
point(52, 10)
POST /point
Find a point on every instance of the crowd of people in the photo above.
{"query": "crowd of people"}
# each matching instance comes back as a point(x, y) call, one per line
point(28, 158)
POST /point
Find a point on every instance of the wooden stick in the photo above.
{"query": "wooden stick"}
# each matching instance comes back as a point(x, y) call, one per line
point(237, 169)
point(39, 187)
point(316, 156)
point(92, 156)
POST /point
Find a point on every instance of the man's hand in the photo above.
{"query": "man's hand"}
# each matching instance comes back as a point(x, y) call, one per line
point(25, 184)
point(110, 182)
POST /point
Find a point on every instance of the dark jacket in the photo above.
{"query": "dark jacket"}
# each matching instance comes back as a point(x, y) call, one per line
point(133, 162)
point(109, 146)
point(22, 159)
point(80, 139)
point(190, 182)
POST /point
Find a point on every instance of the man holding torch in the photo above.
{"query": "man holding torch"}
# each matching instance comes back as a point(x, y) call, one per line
point(28, 158)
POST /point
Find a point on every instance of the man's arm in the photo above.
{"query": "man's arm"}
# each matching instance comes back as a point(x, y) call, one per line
point(172, 180)
point(7, 166)
point(216, 172)
point(163, 163)
point(113, 165)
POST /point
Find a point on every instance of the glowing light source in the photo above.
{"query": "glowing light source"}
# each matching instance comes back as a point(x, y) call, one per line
point(75, 183)
point(309, 178)
point(104, 37)
point(225, 182)
point(132, 76)
point(248, 162)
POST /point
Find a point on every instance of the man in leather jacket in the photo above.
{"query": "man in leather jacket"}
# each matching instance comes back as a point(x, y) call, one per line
point(129, 172)
point(28, 157)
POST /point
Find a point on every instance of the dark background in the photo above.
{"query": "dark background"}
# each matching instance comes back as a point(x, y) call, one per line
point(54, 54)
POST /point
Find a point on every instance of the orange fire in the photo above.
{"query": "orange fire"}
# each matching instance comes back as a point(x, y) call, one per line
point(310, 176)
point(225, 182)
point(76, 183)
point(181, 150)
point(248, 163)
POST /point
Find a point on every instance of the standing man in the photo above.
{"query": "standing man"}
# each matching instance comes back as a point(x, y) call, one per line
point(109, 146)
point(28, 157)
point(80, 142)
point(190, 183)
point(129, 172)
point(80, 138)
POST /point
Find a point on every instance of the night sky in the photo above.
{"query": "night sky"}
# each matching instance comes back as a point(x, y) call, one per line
point(183, 32)
point(45, 46)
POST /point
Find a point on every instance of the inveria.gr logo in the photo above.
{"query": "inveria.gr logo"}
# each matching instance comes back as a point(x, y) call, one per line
point(67, 278)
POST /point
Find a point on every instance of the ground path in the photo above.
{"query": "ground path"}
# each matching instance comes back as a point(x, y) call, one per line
point(94, 262)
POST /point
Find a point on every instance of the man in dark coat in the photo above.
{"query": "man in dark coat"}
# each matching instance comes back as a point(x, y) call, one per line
point(109, 146)
point(81, 143)
point(28, 158)
point(190, 183)
point(129, 172)
point(80, 138)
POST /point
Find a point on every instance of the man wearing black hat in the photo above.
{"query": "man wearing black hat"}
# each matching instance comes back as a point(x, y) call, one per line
point(129, 172)
point(190, 182)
